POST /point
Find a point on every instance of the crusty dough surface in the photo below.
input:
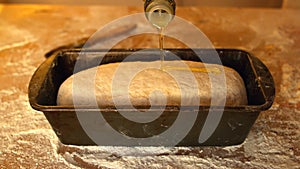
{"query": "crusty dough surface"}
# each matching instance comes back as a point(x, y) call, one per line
point(144, 84)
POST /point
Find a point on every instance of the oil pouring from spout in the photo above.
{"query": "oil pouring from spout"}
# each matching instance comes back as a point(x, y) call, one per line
point(160, 13)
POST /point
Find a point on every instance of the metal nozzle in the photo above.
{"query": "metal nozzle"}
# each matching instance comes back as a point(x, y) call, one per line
point(160, 12)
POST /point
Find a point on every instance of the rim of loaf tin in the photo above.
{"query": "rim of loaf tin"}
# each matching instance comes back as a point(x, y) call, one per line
point(263, 80)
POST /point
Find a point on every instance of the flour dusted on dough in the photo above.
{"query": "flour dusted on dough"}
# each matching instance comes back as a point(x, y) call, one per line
point(144, 84)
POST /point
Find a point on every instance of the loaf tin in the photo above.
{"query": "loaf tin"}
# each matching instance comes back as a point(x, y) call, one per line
point(234, 125)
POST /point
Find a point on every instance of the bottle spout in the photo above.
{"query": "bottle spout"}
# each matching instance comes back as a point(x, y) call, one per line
point(160, 12)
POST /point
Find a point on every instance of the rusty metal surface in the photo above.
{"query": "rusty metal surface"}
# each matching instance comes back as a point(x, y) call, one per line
point(28, 32)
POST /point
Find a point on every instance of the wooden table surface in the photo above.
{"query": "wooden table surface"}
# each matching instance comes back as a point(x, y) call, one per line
point(28, 32)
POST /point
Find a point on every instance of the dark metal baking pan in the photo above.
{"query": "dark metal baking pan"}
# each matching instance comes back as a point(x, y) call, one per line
point(234, 125)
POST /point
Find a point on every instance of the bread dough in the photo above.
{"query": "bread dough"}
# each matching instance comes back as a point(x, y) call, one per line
point(144, 83)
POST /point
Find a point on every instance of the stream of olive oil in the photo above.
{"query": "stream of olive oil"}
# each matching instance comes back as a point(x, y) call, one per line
point(193, 69)
point(161, 47)
point(161, 20)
